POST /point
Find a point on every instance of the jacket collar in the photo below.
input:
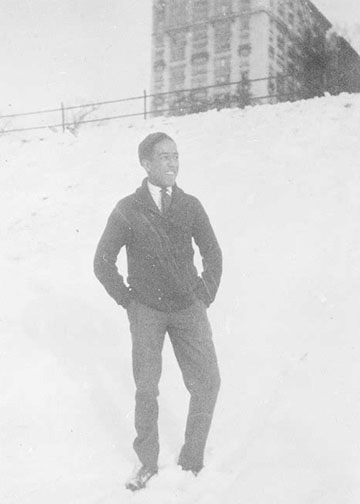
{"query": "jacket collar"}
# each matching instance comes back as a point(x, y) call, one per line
point(143, 196)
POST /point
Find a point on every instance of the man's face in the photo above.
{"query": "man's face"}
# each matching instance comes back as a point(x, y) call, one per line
point(163, 167)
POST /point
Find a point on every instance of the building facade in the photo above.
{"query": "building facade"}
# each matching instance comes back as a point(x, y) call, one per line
point(206, 45)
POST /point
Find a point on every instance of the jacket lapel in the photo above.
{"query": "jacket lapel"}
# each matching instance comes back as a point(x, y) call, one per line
point(143, 196)
point(176, 198)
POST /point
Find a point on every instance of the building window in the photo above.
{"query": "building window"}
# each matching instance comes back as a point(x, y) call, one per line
point(200, 59)
point(244, 50)
point(158, 88)
point(158, 83)
point(280, 56)
point(200, 10)
point(245, 75)
point(222, 79)
point(271, 52)
point(158, 102)
point(199, 81)
point(222, 62)
point(245, 27)
point(282, 29)
point(280, 64)
point(245, 23)
point(199, 100)
point(300, 15)
point(159, 14)
point(291, 69)
point(244, 36)
point(159, 66)
point(177, 78)
point(281, 43)
point(271, 86)
point(159, 41)
point(280, 84)
point(222, 36)
point(245, 4)
point(222, 69)
point(159, 54)
point(178, 46)
point(178, 12)
point(223, 7)
point(199, 38)
point(245, 64)
point(199, 70)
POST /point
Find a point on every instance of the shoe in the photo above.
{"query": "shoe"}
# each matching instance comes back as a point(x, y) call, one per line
point(140, 479)
point(194, 471)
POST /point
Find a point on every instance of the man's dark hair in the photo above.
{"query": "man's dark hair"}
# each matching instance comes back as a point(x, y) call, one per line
point(146, 147)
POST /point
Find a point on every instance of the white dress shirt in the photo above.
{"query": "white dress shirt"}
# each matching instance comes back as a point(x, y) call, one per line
point(155, 192)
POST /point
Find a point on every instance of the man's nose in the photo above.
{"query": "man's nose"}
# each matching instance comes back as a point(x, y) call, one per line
point(173, 162)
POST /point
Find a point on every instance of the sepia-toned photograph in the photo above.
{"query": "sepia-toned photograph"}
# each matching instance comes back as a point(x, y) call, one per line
point(180, 252)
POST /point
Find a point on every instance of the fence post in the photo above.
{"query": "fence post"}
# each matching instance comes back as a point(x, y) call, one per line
point(145, 104)
point(63, 117)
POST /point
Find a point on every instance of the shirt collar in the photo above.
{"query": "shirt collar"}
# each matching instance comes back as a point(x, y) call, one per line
point(155, 190)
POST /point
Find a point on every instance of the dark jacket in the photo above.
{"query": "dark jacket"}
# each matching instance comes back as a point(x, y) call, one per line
point(160, 255)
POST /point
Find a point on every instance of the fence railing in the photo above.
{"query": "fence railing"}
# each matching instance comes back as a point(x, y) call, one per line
point(176, 102)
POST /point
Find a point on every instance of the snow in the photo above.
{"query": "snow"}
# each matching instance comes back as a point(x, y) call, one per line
point(281, 185)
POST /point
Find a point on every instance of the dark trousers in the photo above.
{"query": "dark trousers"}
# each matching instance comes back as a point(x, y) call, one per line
point(190, 334)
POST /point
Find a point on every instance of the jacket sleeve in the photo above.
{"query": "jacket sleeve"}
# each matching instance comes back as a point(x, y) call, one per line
point(210, 252)
point(114, 237)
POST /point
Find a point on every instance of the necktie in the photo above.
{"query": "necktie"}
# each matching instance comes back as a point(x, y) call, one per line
point(165, 200)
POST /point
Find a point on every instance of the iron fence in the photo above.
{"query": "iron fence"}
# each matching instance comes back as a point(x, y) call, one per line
point(175, 102)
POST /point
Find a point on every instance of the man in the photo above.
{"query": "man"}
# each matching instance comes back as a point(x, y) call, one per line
point(164, 294)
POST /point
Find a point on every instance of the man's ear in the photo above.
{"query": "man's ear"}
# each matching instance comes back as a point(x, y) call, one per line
point(145, 164)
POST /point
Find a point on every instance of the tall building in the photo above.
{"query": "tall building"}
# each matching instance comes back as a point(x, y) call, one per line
point(204, 45)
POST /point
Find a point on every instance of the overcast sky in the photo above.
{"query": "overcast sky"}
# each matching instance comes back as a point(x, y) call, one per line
point(80, 51)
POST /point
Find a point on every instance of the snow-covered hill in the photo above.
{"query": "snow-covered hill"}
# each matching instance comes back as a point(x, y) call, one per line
point(282, 187)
